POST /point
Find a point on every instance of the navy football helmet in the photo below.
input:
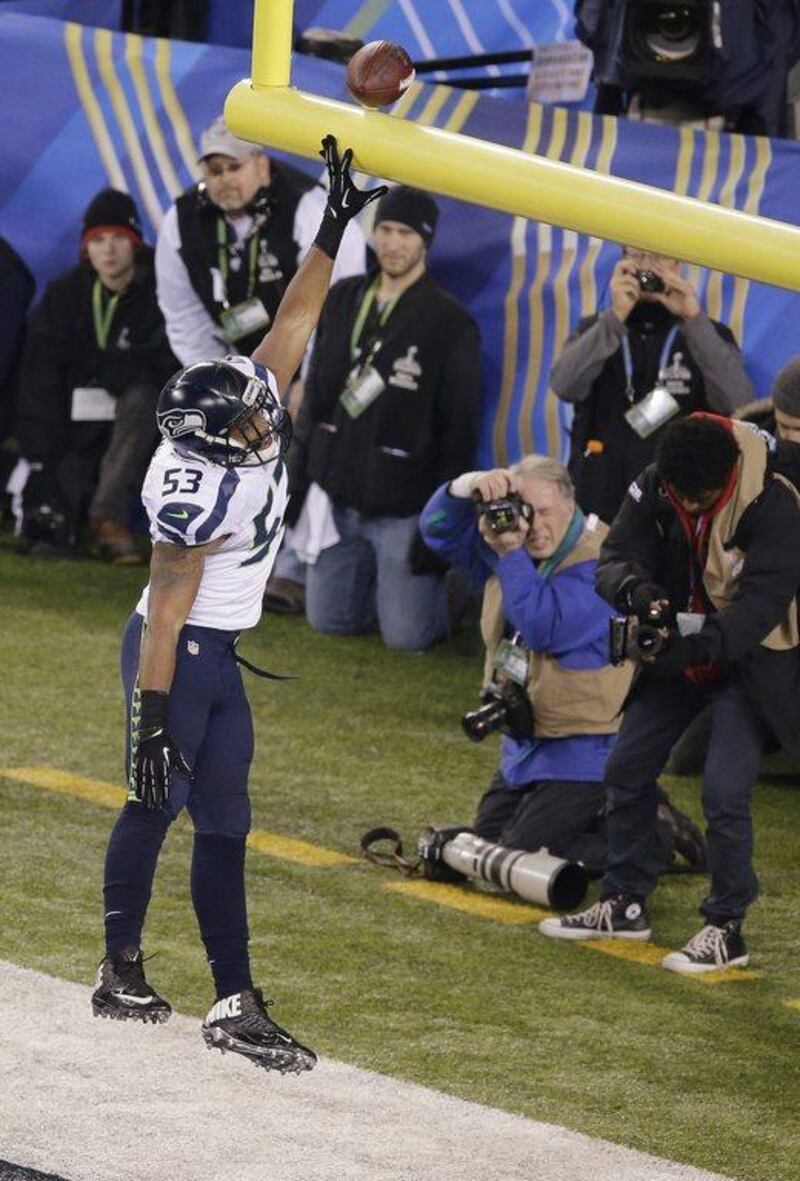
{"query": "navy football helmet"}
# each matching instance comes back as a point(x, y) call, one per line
point(226, 411)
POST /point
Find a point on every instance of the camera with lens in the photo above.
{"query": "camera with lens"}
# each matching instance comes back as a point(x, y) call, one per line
point(504, 514)
point(632, 637)
point(724, 57)
point(649, 281)
point(506, 707)
point(631, 640)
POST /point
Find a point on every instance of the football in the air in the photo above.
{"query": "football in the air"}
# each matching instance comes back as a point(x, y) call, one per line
point(379, 73)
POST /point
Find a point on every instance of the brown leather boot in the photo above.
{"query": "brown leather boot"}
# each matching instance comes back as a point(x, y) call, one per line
point(116, 543)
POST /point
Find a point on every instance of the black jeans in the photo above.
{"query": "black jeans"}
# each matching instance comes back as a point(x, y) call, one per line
point(564, 816)
point(658, 713)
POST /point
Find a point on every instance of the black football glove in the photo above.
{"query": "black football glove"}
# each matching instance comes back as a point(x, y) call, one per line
point(345, 201)
point(154, 756)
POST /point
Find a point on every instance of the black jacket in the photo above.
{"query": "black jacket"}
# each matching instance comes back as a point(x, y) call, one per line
point(646, 543)
point(276, 208)
point(16, 292)
point(602, 476)
point(62, 353)
point(420, 432)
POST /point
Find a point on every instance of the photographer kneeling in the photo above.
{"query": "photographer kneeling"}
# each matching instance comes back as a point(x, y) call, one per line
point(548, 681)
point(706, 551)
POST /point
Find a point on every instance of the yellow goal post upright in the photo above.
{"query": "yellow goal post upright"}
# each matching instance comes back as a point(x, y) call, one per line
point(266, 109)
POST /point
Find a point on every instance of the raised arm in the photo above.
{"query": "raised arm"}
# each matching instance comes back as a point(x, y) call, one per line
point(283, 347)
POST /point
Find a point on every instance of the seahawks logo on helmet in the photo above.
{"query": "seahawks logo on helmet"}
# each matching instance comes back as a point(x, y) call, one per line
point(175, 423)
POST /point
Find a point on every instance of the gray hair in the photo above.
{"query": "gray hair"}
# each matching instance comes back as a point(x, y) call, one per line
point(544, 467)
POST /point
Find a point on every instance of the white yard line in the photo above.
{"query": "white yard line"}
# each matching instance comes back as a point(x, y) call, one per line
point(93, 1099)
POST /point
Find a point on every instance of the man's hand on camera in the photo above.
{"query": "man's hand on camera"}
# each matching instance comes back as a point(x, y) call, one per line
point(625, 289)
point(678, 296)
point(648, 602)
point(504, 543)
point(495, 484)
point(677, 654)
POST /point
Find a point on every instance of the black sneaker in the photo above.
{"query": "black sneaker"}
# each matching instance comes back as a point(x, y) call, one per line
point(240, 1023)
point(122, 992)
point(619, 917)
point(710, 950)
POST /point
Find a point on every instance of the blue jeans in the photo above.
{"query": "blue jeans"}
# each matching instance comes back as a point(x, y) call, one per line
point(366, 577)
point(654, 719)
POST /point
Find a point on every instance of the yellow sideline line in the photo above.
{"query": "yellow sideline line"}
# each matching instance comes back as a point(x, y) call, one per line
point(485, 906)
point(107, 795)
point(73, 41)
point(134, 45)
point(173, 108)
point(652, 955)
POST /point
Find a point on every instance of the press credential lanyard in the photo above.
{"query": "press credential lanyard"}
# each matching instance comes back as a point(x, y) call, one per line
point(361, 319)
point(627, 358)
point(103, 316)
point(222, 259)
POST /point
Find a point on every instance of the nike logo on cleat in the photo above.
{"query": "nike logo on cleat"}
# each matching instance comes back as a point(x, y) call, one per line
point(131, 1000)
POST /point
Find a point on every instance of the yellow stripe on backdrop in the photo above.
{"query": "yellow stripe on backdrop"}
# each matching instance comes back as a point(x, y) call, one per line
point(683, 165)
point(580, 151)
point(430, 112)
point(103, 42)
point(518, 252)
point(368, 15)
point(544, 258)
point(133, 58)
point(708, 179)
point(73, 42)
point(588, 279)
point(755, 191)
point(462, 111)
point(727, 197)
point(407, 100)
point(173, 108)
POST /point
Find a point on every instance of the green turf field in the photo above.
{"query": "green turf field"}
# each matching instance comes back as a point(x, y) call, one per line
point(701, 1073)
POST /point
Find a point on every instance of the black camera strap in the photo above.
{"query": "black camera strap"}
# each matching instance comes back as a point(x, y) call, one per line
point(391, 859)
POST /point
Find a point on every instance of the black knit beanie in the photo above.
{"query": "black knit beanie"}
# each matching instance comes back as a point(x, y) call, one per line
point(412, 207)
point(111, 209)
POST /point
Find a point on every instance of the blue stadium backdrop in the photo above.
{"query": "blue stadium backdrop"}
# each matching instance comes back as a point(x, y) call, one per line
point(86, 107)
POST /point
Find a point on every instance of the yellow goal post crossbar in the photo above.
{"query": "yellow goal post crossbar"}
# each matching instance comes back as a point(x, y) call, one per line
point(267, 110)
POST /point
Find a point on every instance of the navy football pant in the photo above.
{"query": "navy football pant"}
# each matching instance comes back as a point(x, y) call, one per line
point(209, 719)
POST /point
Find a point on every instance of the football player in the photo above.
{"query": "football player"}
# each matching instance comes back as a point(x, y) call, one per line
point(215, 494)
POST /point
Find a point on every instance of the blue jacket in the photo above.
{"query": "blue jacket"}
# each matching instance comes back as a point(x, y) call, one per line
point(564, 617)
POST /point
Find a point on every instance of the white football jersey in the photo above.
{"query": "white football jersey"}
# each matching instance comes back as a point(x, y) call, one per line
point(191, 501)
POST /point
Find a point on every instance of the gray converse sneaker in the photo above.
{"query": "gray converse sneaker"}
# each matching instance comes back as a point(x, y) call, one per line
point(710, 950)
point(619, 917)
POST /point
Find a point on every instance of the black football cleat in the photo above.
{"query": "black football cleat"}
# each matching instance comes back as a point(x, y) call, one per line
point(241, 1024)
point(122, 992)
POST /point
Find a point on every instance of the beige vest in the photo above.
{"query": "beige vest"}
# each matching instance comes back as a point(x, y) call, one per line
point(565, 701)
point(724, 566)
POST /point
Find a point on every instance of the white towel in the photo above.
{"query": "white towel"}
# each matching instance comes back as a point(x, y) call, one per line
point(316, 528)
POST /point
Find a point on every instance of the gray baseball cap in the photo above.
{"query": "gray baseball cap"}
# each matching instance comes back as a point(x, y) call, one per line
point(217, 140)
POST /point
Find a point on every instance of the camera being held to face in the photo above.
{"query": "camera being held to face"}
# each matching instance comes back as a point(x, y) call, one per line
point(504, 514)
